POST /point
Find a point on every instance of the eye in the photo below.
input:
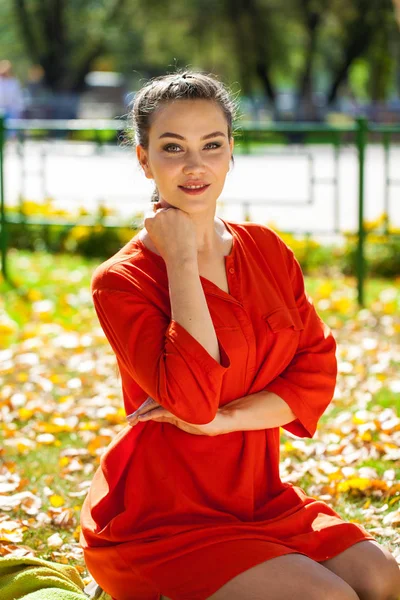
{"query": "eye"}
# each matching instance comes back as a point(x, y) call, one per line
point(169, 147)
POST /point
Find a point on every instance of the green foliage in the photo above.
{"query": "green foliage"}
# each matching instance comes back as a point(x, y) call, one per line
point(382, 255)
point(358, 78)
point(33, 226)
point(32, 236)
point(100, 240)
point(89, 241)
point(243, 42)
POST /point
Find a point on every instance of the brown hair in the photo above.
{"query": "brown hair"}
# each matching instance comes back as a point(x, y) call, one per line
point(181, 85)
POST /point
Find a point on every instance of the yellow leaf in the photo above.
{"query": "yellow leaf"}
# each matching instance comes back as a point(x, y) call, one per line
point(357, 483)
point(89, 426)
point(100, 441)
point(390, 308)
point(56, 500)
point(325, 289)
point(336, 475)
point(34, 295)
point(288, 446)
point(342, 305)
point(394, 500)
point(25, 413)
point(23, 447)
point(22, 377)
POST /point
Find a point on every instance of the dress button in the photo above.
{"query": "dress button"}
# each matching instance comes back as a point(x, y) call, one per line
point(231, 270)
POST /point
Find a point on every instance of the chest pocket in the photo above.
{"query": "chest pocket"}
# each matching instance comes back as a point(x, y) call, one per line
point(283, 327)
point(282, 318)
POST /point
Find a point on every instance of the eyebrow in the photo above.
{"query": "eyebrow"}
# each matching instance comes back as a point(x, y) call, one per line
point(180, 137)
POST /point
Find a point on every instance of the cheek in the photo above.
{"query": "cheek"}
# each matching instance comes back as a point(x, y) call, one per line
point(221, 164)
point(217, 161)
point(163, 167)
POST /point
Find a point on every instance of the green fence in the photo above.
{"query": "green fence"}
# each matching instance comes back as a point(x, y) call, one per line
point(249, 135)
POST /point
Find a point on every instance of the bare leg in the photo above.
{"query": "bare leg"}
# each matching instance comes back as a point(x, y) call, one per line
point(368, 568)
point(285, 578)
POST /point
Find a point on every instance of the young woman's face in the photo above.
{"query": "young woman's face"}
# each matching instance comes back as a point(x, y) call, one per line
point(188, 145)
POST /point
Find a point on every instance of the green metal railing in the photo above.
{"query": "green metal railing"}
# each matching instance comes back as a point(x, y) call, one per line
point(356, 134)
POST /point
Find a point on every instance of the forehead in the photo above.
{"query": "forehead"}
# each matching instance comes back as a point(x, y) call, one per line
point(197, 116)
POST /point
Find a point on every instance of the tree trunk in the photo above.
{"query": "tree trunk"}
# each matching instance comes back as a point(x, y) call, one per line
point(263, 61)
point(306, 109)
point(45, 33)
point(360, 34)
point(241, 43)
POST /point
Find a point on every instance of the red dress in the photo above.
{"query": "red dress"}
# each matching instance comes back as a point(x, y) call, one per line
point(178, 514)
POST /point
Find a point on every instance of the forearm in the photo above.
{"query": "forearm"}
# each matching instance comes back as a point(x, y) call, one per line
point(189, 306)
point(262, 410)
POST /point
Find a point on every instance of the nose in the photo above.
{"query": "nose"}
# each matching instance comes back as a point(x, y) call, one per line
point(194, 163)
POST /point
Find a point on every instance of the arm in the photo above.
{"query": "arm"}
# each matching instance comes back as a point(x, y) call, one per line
point(262, 410)
point(296, 399)
point(308, 384)
point(161, 356)
point(189, 306)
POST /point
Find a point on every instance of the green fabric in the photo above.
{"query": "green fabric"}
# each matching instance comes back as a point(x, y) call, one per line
point(54, 594)
point(38, 579)
point(104, 596)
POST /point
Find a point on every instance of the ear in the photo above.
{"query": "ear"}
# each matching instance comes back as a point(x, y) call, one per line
point(231, 145)
point(143, 159)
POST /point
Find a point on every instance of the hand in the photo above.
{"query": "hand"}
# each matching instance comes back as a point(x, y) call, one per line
point(218, 426)
point(147, 405)
point(173, 232)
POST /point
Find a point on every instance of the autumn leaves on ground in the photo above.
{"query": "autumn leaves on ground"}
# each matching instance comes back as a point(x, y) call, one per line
point(61, 405)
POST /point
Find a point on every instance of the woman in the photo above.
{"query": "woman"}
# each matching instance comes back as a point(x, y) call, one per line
point(218, 346)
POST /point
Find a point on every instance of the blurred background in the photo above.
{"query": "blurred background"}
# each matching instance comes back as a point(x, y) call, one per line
point(292, 59)
point(318, 88)
point(317, 158)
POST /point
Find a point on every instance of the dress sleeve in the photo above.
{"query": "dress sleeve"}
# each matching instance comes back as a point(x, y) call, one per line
point(307, 385)
point(164, 359)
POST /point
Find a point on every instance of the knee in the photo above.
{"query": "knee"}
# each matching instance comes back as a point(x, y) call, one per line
point(336, 590)
point(342, 593)
point(382, 583)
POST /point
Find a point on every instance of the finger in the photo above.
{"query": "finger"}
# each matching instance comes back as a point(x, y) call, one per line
point(147, 405)
point(156, 413)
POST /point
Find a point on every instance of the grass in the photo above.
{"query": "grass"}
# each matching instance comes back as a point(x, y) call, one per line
point(385, 398)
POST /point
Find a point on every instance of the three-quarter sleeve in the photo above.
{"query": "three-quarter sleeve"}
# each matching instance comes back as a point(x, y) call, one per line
point(163, 358)
point(308, 383)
